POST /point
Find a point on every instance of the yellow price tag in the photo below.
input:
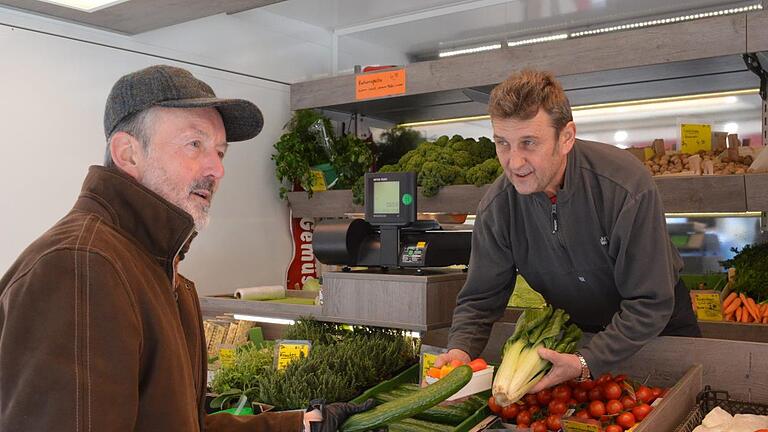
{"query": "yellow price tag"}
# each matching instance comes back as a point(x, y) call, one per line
point(288, 351)
point(695, 138)
point(708, 307)
point(427, 361)
point(227, 357)
point(579, 426)
point(319, 184)
point(648, 153)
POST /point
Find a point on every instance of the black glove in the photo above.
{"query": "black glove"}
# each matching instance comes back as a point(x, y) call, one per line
point(335, 414)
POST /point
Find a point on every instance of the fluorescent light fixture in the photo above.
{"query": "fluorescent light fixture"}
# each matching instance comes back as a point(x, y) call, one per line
point(538, 40)
point(472, 50)
point(620, 136)
point(85, 5)
point(712, 214)
point(264, 319)
point(731, 127)
point(616, 107)
point(669, 20)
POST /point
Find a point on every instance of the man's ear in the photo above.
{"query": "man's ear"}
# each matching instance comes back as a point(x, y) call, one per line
point(127, 153)
point(567, 137)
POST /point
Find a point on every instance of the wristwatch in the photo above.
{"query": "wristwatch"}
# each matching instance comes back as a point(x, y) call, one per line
point(585, 374)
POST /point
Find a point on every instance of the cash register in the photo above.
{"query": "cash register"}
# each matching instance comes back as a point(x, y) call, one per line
point(390, 236)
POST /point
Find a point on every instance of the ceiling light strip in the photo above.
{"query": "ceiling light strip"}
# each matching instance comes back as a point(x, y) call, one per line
point(554, 37)
point(469, 50)
point(701, 96)
point(670, 20)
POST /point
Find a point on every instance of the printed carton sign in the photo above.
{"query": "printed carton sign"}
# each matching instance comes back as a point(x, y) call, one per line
point(387, 83)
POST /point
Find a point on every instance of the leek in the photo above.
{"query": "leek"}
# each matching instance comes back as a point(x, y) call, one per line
point(521, 367)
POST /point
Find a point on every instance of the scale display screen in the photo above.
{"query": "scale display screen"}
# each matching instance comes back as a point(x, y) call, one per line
point(386, 197)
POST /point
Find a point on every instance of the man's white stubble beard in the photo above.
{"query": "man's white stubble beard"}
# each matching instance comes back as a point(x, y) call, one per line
point(156, 179)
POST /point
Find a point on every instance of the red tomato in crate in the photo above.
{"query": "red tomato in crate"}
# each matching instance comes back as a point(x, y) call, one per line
point(625, 420)
point(613, 406)
point(534, 409)
point(495, 408)
point(557, 407)
point(657, 392)
point(544, 397)
point(611, 390)
point(582, 414)
point(539, 426)
point(531, 400)
point(523, 418)
point(510, 412)
point(613, 428)
point(641, 411)
point(587, 385)
point(562, 393)
point(596, 394)
point(553, 422)
point(604, 378)
point(644, 394)
point(620, 378)
point(628, 402)
point(580, 395)
point(596, 409)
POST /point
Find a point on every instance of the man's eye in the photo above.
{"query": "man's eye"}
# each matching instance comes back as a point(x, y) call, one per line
point(501, 143)
point(195, 144)
point(529, 143)
point(221, 155)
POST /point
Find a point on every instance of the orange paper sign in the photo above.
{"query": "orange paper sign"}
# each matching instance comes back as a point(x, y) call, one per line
point(387, 83)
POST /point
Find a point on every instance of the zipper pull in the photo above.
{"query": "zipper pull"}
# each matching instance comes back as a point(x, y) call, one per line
point(554, 219)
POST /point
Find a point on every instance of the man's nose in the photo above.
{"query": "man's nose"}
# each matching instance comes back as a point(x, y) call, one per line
point(214, 165)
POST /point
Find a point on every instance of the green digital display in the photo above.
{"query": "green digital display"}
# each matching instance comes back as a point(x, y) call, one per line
point(386, 197)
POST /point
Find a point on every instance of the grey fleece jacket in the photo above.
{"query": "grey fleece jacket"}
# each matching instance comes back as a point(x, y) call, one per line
point(602, 253)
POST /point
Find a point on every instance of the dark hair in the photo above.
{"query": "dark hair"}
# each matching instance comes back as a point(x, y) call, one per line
point(522, 95)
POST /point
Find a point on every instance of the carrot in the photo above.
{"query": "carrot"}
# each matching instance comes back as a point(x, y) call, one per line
point(738, 314)
point(753, 309)
point(728, 300)
point(764, 309)
point(745, 316)
point(728, 317)
point(765, 320)
point(733, 306)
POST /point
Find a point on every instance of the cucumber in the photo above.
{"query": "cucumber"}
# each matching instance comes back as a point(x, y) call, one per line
point(410, 405)
point(419, 425)
point(451, 415)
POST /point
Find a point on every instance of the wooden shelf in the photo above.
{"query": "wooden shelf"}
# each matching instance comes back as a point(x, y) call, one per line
point(733, 193)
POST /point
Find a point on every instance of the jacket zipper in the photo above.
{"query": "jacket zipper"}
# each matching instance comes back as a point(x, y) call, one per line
point(555, 225)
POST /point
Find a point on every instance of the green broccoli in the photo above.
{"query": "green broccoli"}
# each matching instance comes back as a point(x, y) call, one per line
point(435, 175)
point(484, 173)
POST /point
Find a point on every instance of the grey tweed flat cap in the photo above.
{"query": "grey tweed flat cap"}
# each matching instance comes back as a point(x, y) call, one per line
point(173, 87)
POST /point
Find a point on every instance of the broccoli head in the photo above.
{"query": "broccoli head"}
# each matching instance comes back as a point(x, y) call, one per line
point(435, 175)
point(484, 173)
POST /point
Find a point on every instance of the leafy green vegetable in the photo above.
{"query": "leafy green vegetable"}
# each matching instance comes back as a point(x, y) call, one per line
point(521, 367)
point(250, 363)
point(751, 264)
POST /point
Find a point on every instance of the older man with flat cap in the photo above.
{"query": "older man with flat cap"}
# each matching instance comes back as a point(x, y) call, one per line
point(98, 330)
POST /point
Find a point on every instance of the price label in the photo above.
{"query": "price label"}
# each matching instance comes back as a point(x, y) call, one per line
point(570, 425)
point(427, 361)
point(708, 307)
point(387, 83)
point(290, 350)
point(227, 357)
point(318, 185)
point(695, 138)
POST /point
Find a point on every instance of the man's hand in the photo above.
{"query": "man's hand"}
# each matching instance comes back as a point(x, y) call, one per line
point(333, 415)
point(454, 354)
point(564, 368)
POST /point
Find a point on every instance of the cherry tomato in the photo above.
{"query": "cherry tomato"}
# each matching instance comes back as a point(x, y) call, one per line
point(613, 428)
point(628, 402)
point(582, 414)
point(611, 390)
point(530, 399)
point(596, 409)
point(523, 419)
point(620, 378)
point(572, 402)
point(641, 411)
point(544, 396)
point(613, 406)
point(557, 407)
point(657, 392)
point(604, 378)
point(510, 412)
point(534, 409)
point(580, 395)
point(625, 420)
point(644, 394)
point(572, 384)
point(587, 385)
point(553, 422)
point(596, 394)
point(495, 408)
point(478, 364)
point(562, 393)
point(539, 426)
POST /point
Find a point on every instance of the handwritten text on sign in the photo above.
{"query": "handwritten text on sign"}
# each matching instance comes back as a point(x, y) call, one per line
point(386, 83)
point(290, 350)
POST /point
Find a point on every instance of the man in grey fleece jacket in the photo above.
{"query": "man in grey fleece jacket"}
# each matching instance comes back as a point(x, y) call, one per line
point(583, 223)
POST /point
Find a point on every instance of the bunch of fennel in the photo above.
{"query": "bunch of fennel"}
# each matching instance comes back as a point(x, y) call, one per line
point(521, 367)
